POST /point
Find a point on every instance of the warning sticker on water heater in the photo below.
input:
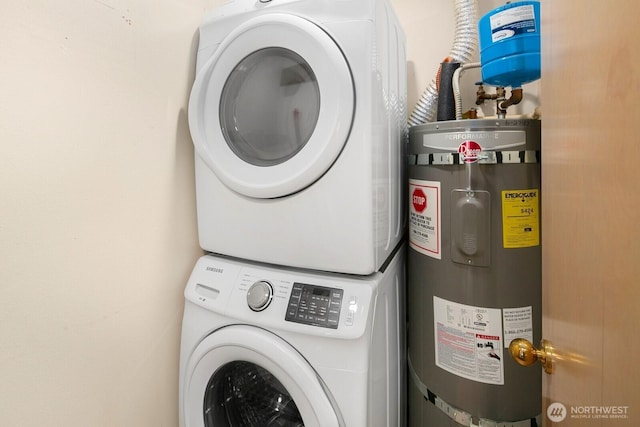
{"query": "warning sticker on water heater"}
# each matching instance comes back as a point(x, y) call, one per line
point(424, 217)
point(468, 341)
point(518, 323)
point(520, 218)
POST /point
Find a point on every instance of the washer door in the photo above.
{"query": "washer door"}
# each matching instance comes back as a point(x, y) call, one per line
point(246, 376)
point(271, 110)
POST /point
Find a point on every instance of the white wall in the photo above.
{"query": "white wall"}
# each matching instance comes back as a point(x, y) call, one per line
point(97, 221)
point(97, 209)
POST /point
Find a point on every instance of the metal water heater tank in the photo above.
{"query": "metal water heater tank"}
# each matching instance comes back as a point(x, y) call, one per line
point(474, 272)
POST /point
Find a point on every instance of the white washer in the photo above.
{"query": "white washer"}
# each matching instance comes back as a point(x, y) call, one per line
point(267, 346)
point(297, 115)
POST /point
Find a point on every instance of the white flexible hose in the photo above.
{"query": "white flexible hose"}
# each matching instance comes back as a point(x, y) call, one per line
point(465, 43)
point(455, 84)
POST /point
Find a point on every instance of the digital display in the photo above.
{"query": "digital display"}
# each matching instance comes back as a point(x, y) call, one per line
point(325, 292)
point(314, 305)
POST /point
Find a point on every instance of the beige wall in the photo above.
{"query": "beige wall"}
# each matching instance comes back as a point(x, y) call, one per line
point(97, 209)
point(97, 221)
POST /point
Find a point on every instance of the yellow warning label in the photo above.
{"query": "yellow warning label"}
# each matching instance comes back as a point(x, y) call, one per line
point(520, 218)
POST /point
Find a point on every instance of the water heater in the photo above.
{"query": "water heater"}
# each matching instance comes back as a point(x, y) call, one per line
point(474, 271)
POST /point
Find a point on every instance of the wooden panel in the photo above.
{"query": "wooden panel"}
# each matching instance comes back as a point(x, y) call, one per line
point(591, 201)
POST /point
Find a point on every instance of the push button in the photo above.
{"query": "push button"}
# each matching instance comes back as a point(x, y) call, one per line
point(351, 311)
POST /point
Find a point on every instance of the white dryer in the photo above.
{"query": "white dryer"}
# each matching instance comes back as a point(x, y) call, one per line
point(297, 114)
point(266, 346)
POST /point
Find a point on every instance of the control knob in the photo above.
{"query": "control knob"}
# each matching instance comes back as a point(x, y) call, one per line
point(259, 295)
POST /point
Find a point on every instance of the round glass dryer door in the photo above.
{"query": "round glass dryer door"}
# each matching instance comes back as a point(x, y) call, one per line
point(269, 106)
point(245, 376)
point(271, 110)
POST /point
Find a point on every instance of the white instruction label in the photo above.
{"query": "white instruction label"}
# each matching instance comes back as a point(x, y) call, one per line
point(424, 217)
point(512, 21)
point(518, 323)
point(468, 341)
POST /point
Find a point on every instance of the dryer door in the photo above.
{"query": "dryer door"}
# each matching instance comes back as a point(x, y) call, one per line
point(246, 376)
point(271, 110)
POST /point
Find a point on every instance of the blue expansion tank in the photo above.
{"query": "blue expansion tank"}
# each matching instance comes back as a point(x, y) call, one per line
point(510, 44)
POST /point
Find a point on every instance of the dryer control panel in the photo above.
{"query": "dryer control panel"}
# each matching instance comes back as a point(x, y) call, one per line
point(314, 305)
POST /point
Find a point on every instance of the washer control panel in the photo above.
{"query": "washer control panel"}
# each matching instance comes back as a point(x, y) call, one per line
point(281, 300)
point(314, 305)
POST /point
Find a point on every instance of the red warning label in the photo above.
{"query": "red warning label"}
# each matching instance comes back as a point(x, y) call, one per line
point(419, 200)
point(424, 217)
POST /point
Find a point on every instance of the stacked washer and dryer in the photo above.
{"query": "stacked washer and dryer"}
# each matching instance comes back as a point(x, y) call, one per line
point(295, 316)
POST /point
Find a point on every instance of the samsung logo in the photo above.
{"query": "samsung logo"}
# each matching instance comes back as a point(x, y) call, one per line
point(215, 269)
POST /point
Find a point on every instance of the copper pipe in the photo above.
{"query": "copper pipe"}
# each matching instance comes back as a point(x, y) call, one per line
point(516, 97)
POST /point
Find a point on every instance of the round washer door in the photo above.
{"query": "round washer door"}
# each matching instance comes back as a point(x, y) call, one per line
point(245, 376)
point(272, 109)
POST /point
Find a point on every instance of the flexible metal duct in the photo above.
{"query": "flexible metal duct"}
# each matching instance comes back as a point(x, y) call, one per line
point(464, 46)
